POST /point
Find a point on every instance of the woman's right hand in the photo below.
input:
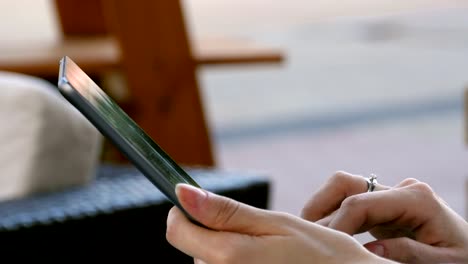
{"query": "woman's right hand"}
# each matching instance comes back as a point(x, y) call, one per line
point(411, 223)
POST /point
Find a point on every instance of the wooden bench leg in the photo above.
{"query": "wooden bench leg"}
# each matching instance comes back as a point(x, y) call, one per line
point(160, 71)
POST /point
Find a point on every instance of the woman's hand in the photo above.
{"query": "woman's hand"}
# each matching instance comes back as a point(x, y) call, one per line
point(238, 233)
point(411, 223)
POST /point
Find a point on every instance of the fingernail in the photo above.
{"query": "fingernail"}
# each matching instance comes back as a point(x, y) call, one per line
point(190, 196)
point(377, 249)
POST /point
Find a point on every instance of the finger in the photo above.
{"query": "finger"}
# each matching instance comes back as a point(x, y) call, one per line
point(188, 237)
point(326, 220)
point(364, 211)
point(225, 214)
point(406, 182)
point(411, 181)
point(204, 245)
point(378, 231)
point(390, 231)
point(329, 197)
point(406, 250)
point(239, 223)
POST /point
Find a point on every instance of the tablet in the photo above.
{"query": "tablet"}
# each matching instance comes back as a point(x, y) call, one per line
point(114, 124)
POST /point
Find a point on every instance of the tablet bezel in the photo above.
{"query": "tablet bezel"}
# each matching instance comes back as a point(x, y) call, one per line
point(155, 163)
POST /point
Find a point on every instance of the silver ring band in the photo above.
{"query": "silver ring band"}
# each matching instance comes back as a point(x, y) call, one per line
point(371, 182)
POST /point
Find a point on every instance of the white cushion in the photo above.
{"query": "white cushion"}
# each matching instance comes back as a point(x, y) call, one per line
point(45, 143)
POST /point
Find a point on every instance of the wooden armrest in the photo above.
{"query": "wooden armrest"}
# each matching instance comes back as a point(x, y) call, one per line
point(94, 54)
point(211, 50)
point(99, 54)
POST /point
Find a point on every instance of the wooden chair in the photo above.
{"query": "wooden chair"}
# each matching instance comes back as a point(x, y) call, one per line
point(146, 45)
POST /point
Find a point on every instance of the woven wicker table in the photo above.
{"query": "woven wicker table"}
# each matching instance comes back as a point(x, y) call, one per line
point(120, 213)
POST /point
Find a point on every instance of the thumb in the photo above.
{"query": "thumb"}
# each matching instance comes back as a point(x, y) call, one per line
point(407, 250)
point(222, 213)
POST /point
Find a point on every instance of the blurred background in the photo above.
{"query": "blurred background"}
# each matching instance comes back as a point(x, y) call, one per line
point(365, 86)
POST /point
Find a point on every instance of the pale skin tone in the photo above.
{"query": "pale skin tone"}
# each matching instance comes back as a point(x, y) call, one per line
point(233, 232)
point(410, 222)
point(238, 233)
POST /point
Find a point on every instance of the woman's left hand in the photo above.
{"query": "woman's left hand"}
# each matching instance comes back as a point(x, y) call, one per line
point(238, 233)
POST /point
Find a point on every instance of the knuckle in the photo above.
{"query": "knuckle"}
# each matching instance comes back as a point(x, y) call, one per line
point(426, 193)
point(227, 210)
point(171, 232)
point(423, 188)
point(352, 202)
point(410, 254)
point(402, 250)
point(281, 217)
point(229, 254)
point(408, 181)
point(171, 227)
point(341, 177)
